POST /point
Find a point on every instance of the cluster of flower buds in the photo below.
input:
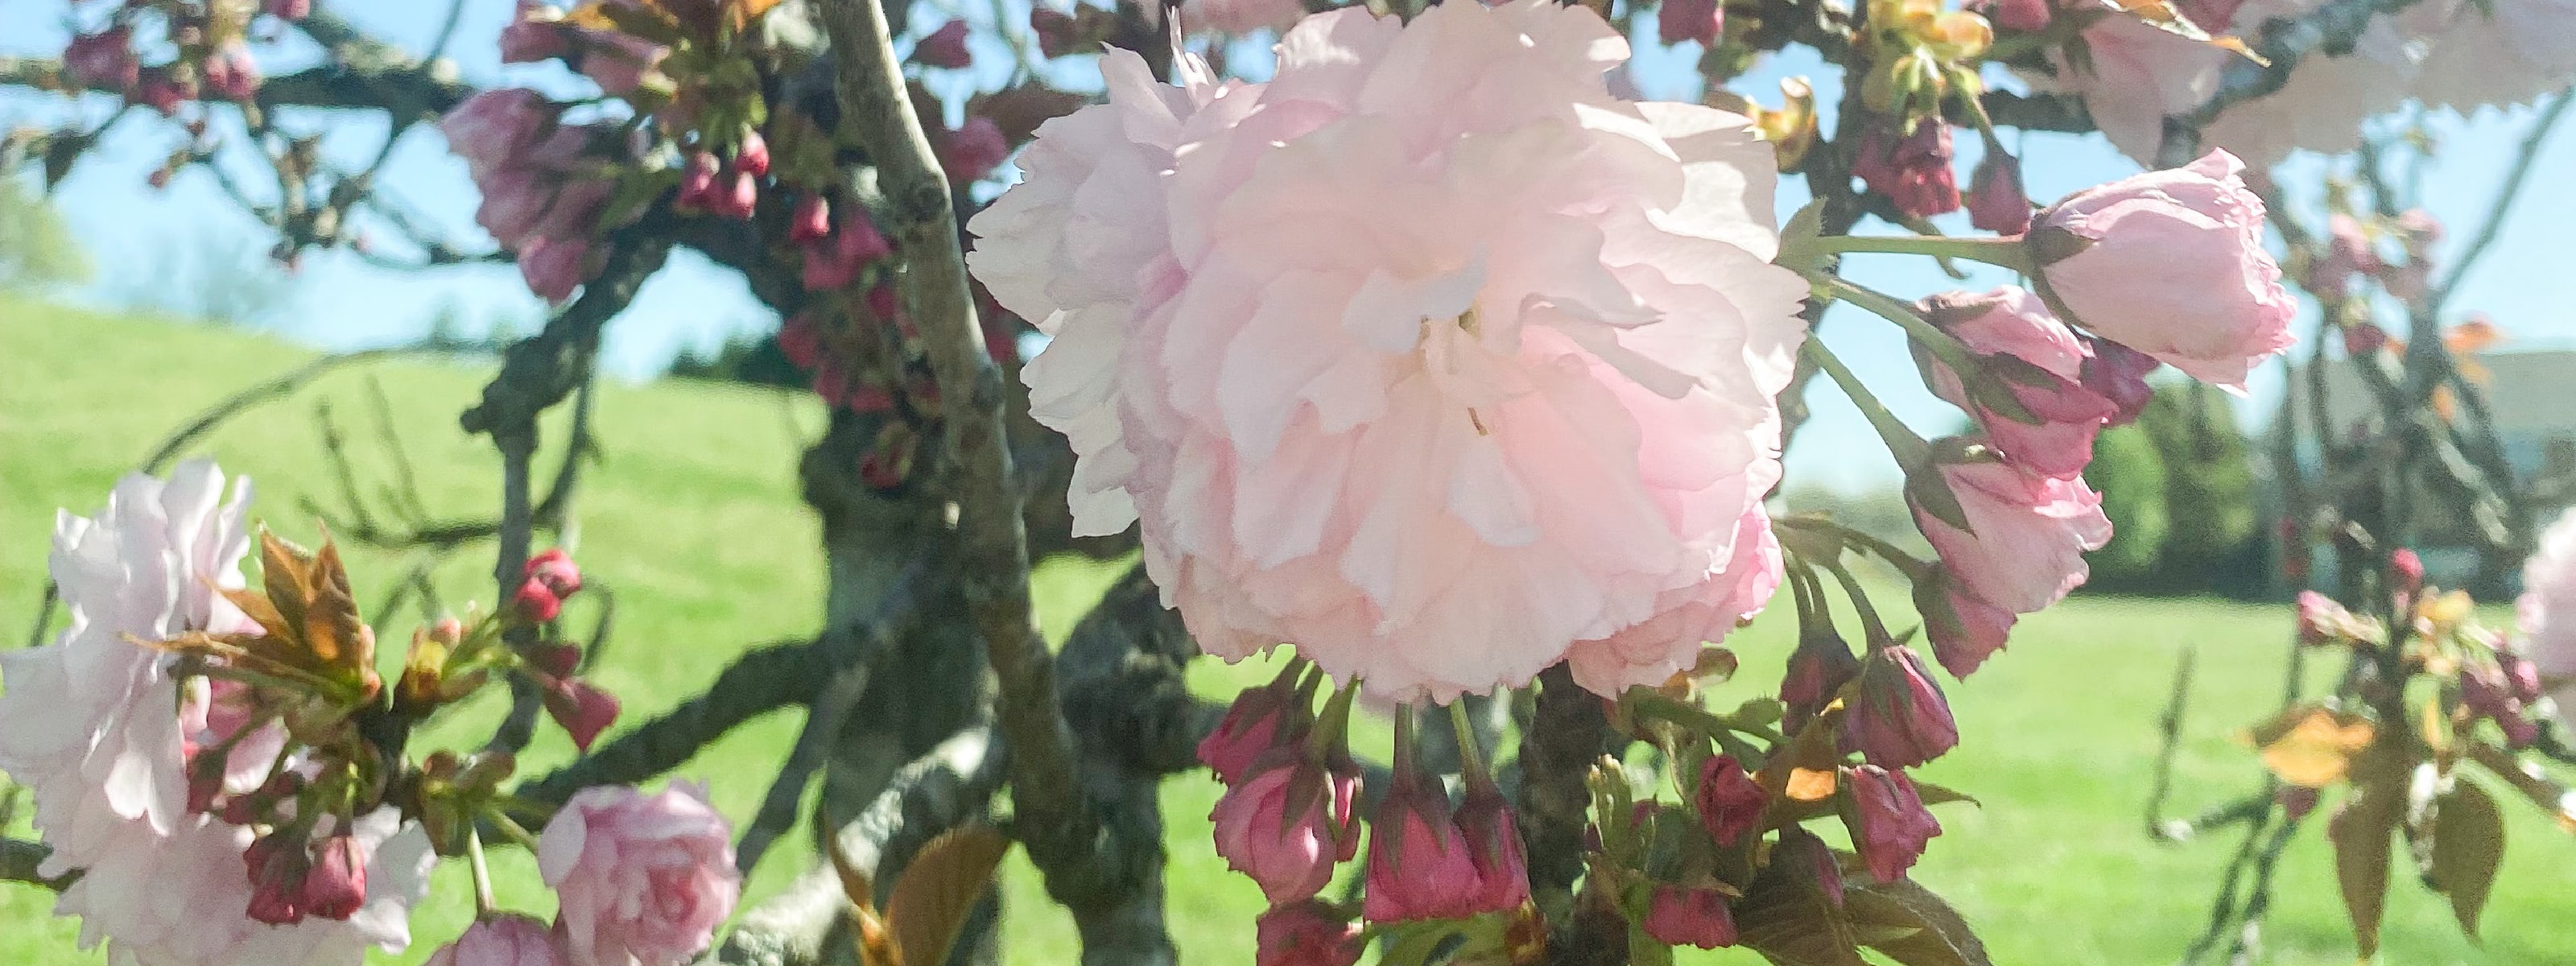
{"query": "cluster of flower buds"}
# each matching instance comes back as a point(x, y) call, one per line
point(546, 184)
point(620, 63)
point(546, 581)
point(1288, 815)
point(1430, 860)
point(2352, 251)
point(211, 57)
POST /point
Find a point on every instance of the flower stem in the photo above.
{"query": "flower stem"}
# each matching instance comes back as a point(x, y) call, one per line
point(1910, 450)
point(1471, 760)
point(1943, 345)
point(483, 903)
point(2000, 252)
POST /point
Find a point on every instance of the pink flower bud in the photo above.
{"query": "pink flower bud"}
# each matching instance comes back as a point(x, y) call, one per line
point(734, 195)
point(1700, 20)
point(812, 221)
point(1286, 824)
point(698, 180)
point(973, 150)
point(1271, 716)
point(230, 73)
point(2037, 361)
point(2362, 340)
point(617, 62)
point(2171, 263)
point(1730, 802)
point(1682, 916)
point(2027, 16)
point(1964, 631)
point(2119, 373)
point(1494, 848)
point(2322, 620)
point(1913, 171)
point(163, 91)
point(530, 41)
point(554, 659)
point(554, 568)
point(1899, 718)
point(1814, 859)
point(1890, 824)
point(2406, 570)
point(2522, 677)
point(336, 886)
point(582, 709)
point(277, 869)
point(553, 267)
point(104, 60)
point(534, 603)
point(2348, 254)
point(835, 262)
point(945, 47)
point(1418, 862)
point(504, 939)
point(2028, 533)
point(800, 341)
point(752, 155)
point(1996, 202)
point(1305, 934)
point(288, 9)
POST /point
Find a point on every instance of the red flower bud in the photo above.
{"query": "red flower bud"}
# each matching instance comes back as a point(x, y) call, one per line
point(2119, 373)
point(2362, 339)
point(1418, 862)
point(1996, 202)
point(534, 603)
point(554, 568)
point(1730, 802)
point(1964, 630)
point(812, 221)
point(698, 180)
point(1494, 847)
point(1305, 934)
point(1888, 821)
point(946, 46)
point(1899, 719)
point(336, 885)
point(2407, 570)
point(1058, 32)
point(973, 150)
point(751, 157)
point(1700, 20)
point(581, 708)
point(277, 869)
point(1271, 716)
point(1689, 917)
point(1913, 171)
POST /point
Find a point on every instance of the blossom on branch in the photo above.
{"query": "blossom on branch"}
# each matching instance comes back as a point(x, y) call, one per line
point(2171, 264)
point(2035, 360)
point(642, 880)
point(97, 728)
point(1429, 356)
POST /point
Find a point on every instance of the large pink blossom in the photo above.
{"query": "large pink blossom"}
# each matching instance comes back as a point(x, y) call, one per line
point(1429, 356)
point(2501, 52)
point(640, 880)
point(2171, 263)
point(92, 724)
point(2136, 74)
point(2548, 608)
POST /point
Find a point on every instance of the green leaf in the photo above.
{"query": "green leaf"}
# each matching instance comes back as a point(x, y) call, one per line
point(2361, 830)
point(2468, 845)
point(1923, 929)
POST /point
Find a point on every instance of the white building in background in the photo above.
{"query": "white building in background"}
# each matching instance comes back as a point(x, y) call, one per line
point(2532, 395)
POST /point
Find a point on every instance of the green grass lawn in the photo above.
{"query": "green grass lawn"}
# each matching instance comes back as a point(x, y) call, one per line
point(693, 518)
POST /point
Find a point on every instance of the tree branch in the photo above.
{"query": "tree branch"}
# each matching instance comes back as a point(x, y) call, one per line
point(22, 860)
point(1053, 822)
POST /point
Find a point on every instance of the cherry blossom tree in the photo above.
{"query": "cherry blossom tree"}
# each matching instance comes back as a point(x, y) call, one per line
point(1428, 358)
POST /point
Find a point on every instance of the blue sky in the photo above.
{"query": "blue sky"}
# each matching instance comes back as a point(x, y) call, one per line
point(337, 300)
